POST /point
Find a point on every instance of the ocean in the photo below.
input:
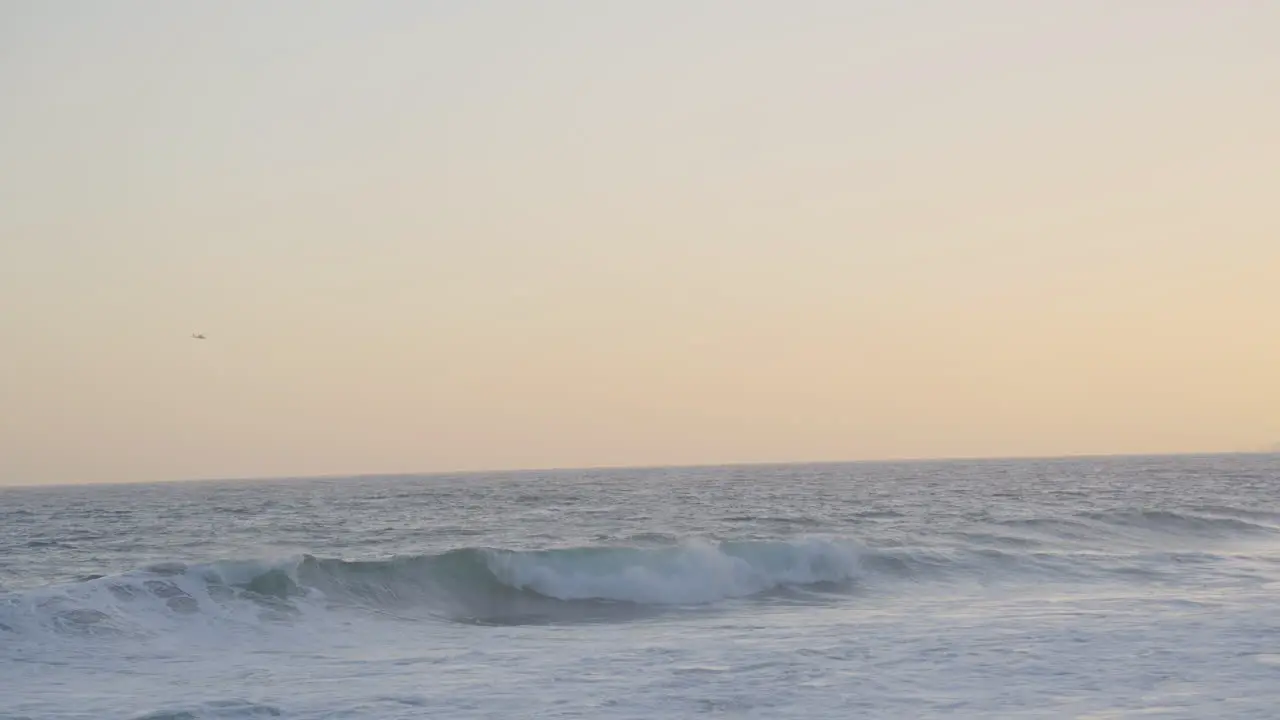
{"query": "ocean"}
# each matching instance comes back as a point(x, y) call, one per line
point(1073, 588)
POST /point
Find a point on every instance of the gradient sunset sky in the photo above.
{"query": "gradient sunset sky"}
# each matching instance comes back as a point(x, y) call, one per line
point(431, 236)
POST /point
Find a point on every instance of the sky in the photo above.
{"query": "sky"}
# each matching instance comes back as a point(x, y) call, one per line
point(443, 235)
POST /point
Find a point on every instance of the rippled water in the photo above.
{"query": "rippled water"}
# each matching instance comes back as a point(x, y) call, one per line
point(1119, 587)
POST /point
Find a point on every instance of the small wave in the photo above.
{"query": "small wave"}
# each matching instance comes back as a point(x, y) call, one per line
point(998, 540)
point(1056, 529)
point(218, 709)
point(877, 514)
point(236, 510)
point(1262, 517)
point(1168, 522)
point(772, 520)
point(1090, 527)
point(653, 538)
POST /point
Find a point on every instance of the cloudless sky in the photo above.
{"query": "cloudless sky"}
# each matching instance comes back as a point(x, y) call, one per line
point(439, 235)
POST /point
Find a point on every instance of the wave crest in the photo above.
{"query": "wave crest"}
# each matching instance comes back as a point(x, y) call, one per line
point(691, 573)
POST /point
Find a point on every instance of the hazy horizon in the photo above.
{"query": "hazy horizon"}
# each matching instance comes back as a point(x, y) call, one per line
point(566, 470)
point(446, 237)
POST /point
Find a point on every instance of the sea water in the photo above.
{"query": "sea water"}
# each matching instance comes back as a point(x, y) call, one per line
point(1078, 588)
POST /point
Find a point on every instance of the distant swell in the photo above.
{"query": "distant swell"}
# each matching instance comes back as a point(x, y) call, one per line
point(1225, 521)
point(1147, 525)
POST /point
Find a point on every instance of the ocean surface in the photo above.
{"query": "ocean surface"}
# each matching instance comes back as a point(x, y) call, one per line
point(1081, 588)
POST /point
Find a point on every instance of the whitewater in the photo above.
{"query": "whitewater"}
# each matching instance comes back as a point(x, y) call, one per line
point(1066, 588)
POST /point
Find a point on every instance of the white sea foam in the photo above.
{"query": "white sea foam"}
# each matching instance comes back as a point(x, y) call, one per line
point(693, 572)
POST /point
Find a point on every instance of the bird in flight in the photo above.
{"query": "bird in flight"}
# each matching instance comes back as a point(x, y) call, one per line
point(198, 336)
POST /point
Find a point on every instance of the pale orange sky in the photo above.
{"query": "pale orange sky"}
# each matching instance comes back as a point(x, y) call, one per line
point(477, 235)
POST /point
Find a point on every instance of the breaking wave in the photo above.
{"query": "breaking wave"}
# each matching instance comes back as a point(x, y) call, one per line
point(609, 583)
point(467, 585)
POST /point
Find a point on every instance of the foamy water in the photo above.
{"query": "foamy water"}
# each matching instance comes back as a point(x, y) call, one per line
point(1129, 587)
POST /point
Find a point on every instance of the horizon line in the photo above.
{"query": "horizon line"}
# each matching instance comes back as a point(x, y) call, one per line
point(904, 460)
